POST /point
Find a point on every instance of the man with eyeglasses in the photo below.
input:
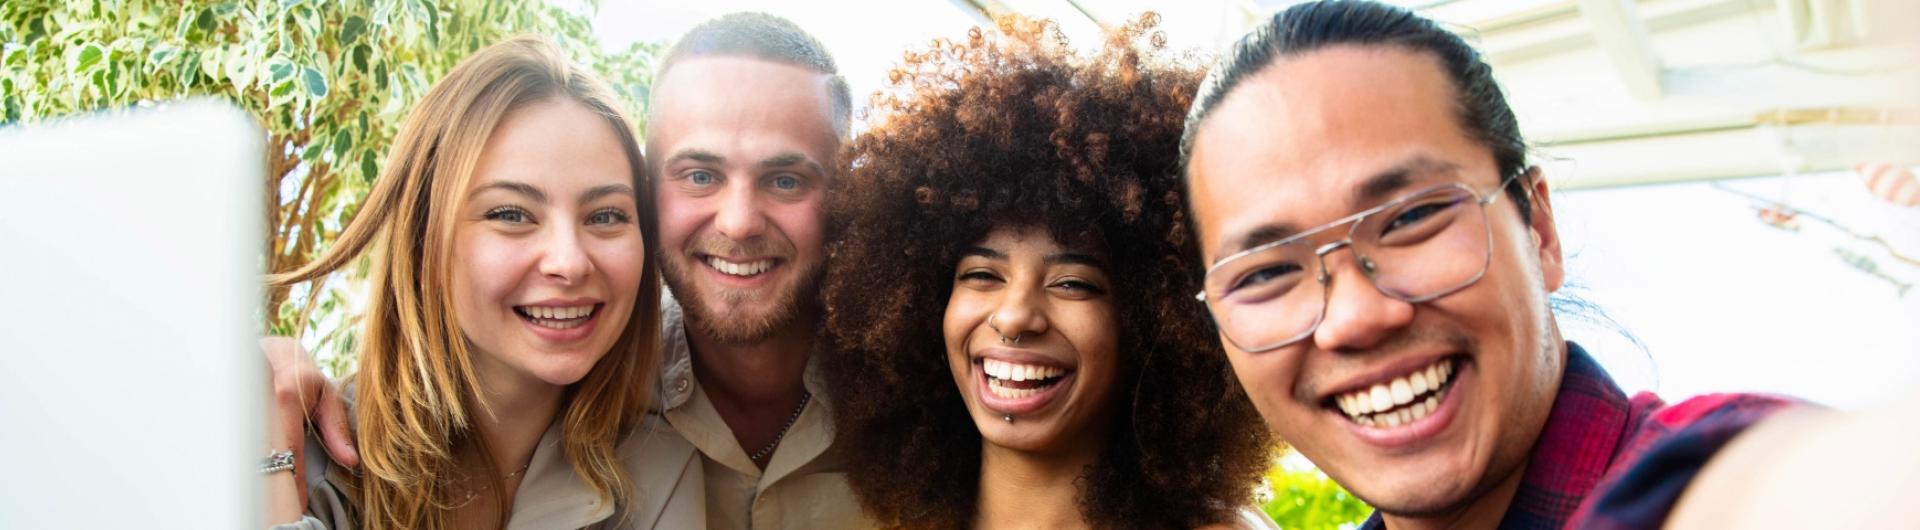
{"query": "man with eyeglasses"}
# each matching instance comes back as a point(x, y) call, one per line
point(1381, 256)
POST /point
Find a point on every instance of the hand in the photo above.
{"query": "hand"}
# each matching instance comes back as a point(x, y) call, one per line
point(302, 396)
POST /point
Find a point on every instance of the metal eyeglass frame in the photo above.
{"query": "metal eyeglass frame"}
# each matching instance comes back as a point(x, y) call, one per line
point(1366, 264)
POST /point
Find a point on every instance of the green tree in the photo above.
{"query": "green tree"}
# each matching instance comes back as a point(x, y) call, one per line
point(329, 79)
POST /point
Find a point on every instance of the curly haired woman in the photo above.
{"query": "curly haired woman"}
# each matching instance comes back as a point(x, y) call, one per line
point(1010, 335)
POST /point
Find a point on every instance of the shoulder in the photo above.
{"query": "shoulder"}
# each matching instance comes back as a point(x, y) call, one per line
point(1665, 449)
point(1245, 518)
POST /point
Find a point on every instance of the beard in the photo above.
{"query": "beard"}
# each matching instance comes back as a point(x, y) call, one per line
point(718, 316)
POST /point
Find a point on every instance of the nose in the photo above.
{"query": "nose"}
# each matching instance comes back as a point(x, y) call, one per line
point(564, 258)
point(739, 217)
point(1357, 315)
point(1018, 316)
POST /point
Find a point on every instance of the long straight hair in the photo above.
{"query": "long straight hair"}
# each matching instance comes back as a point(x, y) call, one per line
point(416, 391)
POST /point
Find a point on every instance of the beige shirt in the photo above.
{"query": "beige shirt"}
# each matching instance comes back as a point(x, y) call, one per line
point(694, 462)
point(551, 495)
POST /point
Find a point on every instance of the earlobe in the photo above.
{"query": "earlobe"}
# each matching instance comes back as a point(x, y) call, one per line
point(1546, 235)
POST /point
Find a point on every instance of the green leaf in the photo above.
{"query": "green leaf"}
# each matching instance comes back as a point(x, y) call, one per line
point(352, 29)
point(15, 56)
point(313, 151)
point(342, 141)
point(204, 21)
point(315, 83)
point(89, 55)
point(279, 69)
point(162, 56)
point(281, 89)
point(360, 54)
point(369, 169)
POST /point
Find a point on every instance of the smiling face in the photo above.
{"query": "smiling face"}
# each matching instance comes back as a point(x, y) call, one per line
point(1320, 135)
point(740, 148)
point(1057, 381)
point(548, 253)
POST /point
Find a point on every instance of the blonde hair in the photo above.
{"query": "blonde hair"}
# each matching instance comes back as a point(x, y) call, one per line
point(416, 390)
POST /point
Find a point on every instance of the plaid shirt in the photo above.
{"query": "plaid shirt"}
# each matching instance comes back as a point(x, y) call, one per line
point(1606, 461)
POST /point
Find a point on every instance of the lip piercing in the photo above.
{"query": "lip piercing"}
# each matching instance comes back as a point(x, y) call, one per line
point(1008, 417)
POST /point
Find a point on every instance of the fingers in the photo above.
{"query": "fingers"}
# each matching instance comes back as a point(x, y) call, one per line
point(334, 434)
point(288, 426)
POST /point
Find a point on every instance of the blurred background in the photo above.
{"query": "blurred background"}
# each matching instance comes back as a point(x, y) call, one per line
point(1733, 178)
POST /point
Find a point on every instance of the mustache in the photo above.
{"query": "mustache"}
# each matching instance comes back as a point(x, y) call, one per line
point(713, 245)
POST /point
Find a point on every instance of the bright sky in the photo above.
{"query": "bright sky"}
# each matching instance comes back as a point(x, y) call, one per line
point(1721, 301)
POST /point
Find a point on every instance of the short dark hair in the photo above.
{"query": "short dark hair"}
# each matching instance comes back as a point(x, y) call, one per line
point(769, 38)
point(1482, 109)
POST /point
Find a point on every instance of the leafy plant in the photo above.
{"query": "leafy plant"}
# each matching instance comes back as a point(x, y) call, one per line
point(1298, 496)
point(329, 79)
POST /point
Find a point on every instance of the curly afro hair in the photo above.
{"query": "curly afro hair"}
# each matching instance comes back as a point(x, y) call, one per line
point(1018, 130)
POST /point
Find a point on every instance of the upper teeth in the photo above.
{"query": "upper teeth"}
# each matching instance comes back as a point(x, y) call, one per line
point(740, 269)
point(1020, 372)
point(1389, 397)
point(559, 313)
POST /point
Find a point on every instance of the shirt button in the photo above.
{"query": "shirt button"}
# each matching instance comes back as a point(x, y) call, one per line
point(680, 385)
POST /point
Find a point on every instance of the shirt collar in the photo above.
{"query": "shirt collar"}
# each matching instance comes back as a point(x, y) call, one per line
point(1582, 435)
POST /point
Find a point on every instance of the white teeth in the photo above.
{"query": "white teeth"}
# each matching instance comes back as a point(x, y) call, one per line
point(739, 269)
point(999, 372)
point(1402, 392)
point(1382, 398)
point(558, 317)
point(1401, 401)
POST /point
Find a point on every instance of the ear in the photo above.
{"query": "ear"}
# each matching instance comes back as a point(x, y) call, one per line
point(1546, 237)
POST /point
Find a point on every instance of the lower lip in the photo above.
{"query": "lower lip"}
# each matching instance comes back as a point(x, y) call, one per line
point(741, 281)
point(563, 336)
point(1017, 405)
point(1409, 434)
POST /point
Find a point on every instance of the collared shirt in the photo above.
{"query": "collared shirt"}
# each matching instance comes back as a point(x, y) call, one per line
point(1606, 461)
point(704, 475)
point(551, 493)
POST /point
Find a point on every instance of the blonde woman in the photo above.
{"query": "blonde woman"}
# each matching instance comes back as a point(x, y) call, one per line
point(512, 342)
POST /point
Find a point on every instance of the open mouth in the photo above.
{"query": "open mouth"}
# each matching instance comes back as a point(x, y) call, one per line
point(1009, 380)
point(742, 269)
point(1400, 401)
point(561, 317)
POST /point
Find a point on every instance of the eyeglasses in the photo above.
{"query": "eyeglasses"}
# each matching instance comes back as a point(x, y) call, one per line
point(1416, 248)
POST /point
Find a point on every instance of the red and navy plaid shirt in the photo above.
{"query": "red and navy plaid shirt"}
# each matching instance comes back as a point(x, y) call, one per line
point(1606, 461)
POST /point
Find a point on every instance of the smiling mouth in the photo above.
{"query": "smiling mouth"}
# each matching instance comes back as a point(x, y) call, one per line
point(742, 269)
point(1010, 380)
point(1402, 400)
point(567, 317)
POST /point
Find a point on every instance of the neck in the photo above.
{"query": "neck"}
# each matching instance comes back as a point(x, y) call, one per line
point(1485, 511)
point(518, 412)
point(755, 387)
point(1020, 489)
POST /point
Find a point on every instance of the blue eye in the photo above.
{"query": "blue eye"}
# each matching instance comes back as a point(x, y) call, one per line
point(786, 183)
point(507, 214)
point(609, 217)
point(701, 178)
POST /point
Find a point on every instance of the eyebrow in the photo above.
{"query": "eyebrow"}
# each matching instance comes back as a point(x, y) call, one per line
point(597, 192)
point(697, 155)
point(790, 159)
point(985, 252)
point(1071, 258)
point(1375, 189)
point(517, 187)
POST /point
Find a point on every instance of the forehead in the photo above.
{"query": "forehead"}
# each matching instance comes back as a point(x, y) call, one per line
point(1296, 142)
point(741, 105)
point(553, 138)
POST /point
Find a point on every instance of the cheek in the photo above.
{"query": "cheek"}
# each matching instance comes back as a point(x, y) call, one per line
point(961, 317)
point(622, 260)
point(801, 223)
point(485, 272)
point(678, 217)
point(1095, 332)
